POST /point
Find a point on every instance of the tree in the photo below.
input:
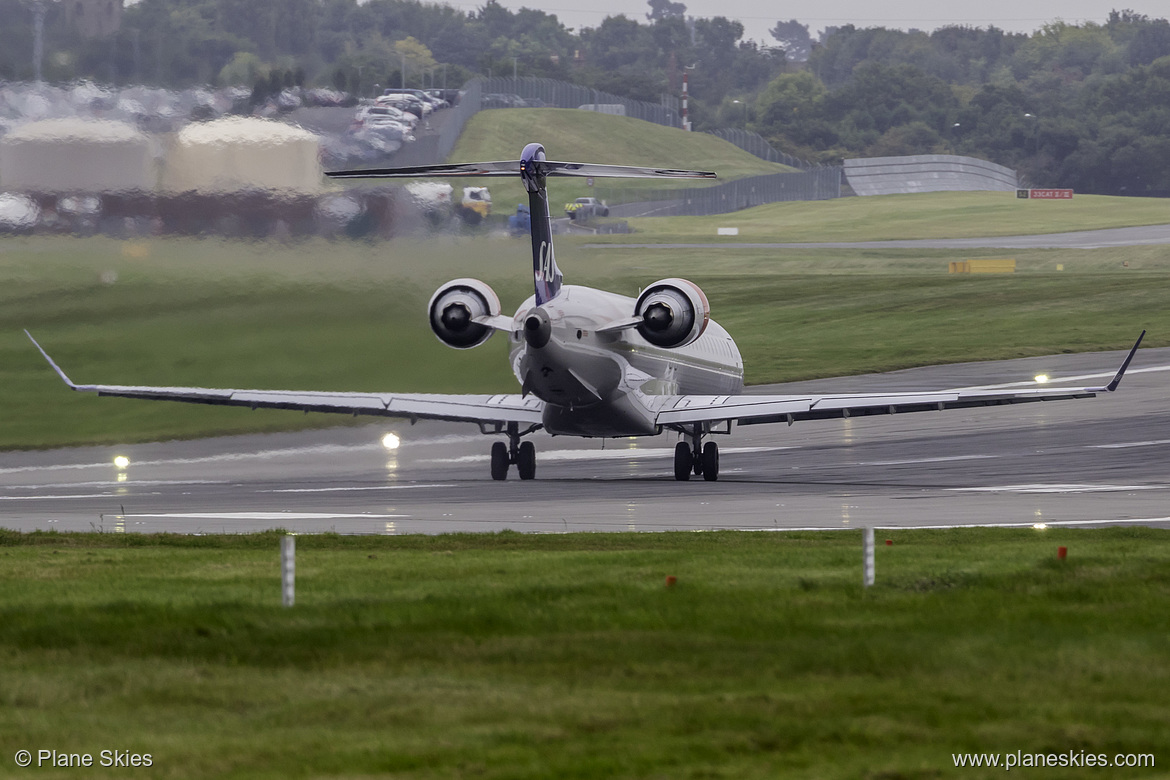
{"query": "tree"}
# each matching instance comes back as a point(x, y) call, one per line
point(417, 56)
point(665, 9)
point(794, 39)
point(244, 68)
point(913, 138)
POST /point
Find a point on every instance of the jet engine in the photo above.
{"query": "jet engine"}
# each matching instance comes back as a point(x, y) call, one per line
point(454, 307)
point(674, 313)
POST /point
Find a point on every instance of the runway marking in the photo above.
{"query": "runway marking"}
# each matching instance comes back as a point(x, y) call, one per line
point(1066, 379)
point(1127, 445)
point(349, 489)
point(1048, 523)
point(319, 449)
point(615, 454)
point(56, 498)
point(946, 459)
point(279, 515)
point(1042, 488)
point(115, 483)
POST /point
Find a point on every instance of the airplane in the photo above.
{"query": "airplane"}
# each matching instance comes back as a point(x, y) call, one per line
point(593, 363)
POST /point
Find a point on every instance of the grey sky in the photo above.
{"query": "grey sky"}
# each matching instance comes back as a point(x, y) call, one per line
point(758, 16)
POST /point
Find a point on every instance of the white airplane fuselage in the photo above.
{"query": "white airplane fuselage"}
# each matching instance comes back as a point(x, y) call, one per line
point(604, 383)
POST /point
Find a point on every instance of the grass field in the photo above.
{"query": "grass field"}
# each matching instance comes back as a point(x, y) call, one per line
point(350, 316)
point(517, 656)
point(582, 136)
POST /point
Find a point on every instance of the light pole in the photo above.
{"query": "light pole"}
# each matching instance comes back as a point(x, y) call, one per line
point(38, 10)
point(1035, 131)
point(742, 103)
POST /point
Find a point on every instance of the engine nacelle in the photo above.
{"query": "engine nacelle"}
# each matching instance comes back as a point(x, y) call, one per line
point(453, 308)
point(674, 313)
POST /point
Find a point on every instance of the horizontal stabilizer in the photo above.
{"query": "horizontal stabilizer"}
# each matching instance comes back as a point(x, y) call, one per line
point(512, 168)
point(500, 168)
point(552, 168)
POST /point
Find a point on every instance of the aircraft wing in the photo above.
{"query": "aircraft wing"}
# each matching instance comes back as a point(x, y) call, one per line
point(759, 409)
point(502, 408)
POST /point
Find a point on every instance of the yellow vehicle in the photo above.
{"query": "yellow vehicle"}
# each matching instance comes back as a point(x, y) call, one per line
point(478, 200)
point(586, 208)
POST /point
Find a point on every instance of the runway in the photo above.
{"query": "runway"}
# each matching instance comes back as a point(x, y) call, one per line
point(1076, 462)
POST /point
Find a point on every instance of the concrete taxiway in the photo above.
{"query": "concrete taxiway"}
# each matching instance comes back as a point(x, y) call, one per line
point(1078, 462)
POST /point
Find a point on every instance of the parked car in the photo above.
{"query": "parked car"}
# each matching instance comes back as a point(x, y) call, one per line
point(406, 102)
point(586, 208)
point(379, 114)
point(449, 96)
point(502, 100)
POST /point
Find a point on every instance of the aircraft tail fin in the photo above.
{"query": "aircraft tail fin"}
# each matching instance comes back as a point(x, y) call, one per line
point(533, 169)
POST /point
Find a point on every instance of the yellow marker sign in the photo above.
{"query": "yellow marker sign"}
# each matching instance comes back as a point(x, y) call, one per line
point(984, 266)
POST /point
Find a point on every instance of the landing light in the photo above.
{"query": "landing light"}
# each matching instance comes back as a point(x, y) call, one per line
point(1041, 526)
point(121, 462)
point(391, 441)
point(1041, 378)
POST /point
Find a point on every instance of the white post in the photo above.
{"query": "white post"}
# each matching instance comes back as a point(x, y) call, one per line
point(288, 569)
point(867, 553)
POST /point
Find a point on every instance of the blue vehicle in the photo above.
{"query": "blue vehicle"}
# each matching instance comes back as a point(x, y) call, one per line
point(520, 223)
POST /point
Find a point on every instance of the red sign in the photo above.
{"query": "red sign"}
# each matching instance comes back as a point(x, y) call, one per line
point(1050, 194)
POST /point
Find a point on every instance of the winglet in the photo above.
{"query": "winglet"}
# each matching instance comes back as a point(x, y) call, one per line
point(1109, 388)
point(56, 367)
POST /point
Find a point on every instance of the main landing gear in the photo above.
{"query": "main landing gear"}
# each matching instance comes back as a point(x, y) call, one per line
point(522, 453)
point(696, 457)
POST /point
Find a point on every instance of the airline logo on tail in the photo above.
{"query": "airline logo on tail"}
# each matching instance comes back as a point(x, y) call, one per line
point(548, 276)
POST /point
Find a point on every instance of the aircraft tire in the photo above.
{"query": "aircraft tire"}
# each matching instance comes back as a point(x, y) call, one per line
point(526, 460)
point(499, 461)
point(710, 461)
point(682, 461)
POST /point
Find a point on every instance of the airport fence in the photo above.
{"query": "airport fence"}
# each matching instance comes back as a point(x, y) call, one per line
point(756, 144)
point(823, 183)
point(467, 107)
point(503, 92)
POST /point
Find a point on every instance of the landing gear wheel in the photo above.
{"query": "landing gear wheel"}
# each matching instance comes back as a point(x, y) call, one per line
point(710, 461)
point(499, 461)
point(526, 460)
point(683, 460)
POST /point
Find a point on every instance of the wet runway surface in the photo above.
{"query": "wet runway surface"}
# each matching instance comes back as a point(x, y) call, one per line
point(1087, 462)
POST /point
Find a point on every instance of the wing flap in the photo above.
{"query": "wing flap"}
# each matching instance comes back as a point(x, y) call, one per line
point(415, 406)
point(761, 409)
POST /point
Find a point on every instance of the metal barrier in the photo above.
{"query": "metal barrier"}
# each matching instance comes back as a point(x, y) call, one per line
point(821, 183)
point(927, 173)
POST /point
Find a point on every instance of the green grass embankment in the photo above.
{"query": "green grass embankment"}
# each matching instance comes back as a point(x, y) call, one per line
point(584, 136)
point(523, 656)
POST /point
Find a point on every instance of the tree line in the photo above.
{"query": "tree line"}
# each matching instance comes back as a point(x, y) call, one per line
point(1083, 106)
